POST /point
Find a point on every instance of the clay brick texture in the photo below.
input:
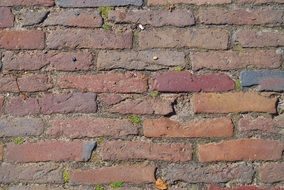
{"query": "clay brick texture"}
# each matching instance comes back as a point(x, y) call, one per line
point(142, 94)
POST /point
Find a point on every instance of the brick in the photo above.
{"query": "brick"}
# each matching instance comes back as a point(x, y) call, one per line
point(19, 106)
point(214, 173)
point(22, 39)
point(32, 173)
point(11, 3)
point(32, 83)
point(164, 127)
point(130, 174)
point(212, 187)
point(187, 82)
point(266, 80)
point(74, 18)
point(143, 106)
point(259, 38)
point(1, 103)
point(91, 127)
point(227, 60)
point(14, 127)
point(128, 150)
point(239, 16)
point(1, 152)
point(50, 151)
point(111, 99)
point(259, 1)
point(241, 149)
point(110, 82)
point(6, 17)
point(30, 18)
point(179, 38)
point(92, 3)
point(45, 187)
point(238, 102)
point(68, 103)
point(271, 172)
point(76, 38)
point(196, 2)
point(180, 18)
point(140, 60)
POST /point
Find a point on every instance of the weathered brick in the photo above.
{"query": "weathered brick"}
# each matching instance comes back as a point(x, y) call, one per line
point(22, 39)
point(86, 38)
point(178, 38)
point(1, 152)
point(35, 60)
point(238, 102)
point(140, 60)
point(30, 18)
point(125, 150)
point(11, 3)
point(196, 2)
point(214, 15)
point(259, 1)
point(158, 18)
point(6, 17)
point(271, 172)
point(68, 103)
point(259, 38)
point(111, 99)
point(50, 151)
point(18, 106)
point(213, 187)
point(91, 127)
point(1, 103)
point(164, 127)
point(110, 82)
point(143, 106)
point(14, 127)
point(241, 149)
point(266, 80)
point(187, 82)
point(46, 187)
point(32, 83)
point(228, 60)
point(32, 173)
point(75, 18)
point(92, 3)
point(130, 174)
point(214, 173)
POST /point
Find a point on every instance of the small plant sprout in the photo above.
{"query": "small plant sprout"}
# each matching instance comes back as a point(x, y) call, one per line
point(135, 119)
point(238, 85)
point(116, 185)
point(99, 187)
point(19, 140)
point(154, 94)
point(104, 11)
point(107, 26)
point(66, 176)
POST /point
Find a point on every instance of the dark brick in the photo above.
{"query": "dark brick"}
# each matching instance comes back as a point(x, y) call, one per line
point(11, 3)
point(30, 18)
point(19, 106)
point(271, 172)
point(6, 17)
point(98, 3)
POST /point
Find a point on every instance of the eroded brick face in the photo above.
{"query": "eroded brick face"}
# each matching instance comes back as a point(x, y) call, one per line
point(141, 94)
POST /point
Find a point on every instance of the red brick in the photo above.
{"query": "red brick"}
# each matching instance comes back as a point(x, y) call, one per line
point(28, 17)
point(227, 60)
point(238, 102)
point(74, 18)
point(1, 152)
point(86, 38)
point(68, 103)
point(259, 1)
point(259, 38)
point(44, 187)
point(212, 187)
point(110, 82)
point(196, 2)
point(1, 103)
point(100, 3)
point(143, 106)
point(91, 127)
point(49, 151)
point(6, 17)
point(11, 3)
point(8, 84)
point(271, 172)
point(130, 174)
point(32, 173)
point(240, 16)
point(187, 82)
point(190, 38)
point(19, 106)
point(22, 39)
point(157, 18)
point(111, 99)
point(241, 149)
point(125, 150)
point(164, 127)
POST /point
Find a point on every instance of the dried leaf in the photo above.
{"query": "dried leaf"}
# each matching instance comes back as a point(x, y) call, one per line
point(161, 185)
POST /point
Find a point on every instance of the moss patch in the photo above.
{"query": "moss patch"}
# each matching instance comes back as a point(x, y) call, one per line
point(19, 140)
point(104, 11)
point(66, 176)
point(178, 68)
point(154, 94)
point(115, 185)
point(99, 187)
point(238, 85)
point(107, 26)
point(135, 119)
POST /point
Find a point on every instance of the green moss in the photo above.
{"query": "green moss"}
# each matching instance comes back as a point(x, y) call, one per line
point(100, 140)
point(135, 119)
point(99, 187)
point(178, 68)
point(154, 94)
point(115, 185)
point(238, 48)
point(19, 140)
point(104, 11)
point(66, 176)
point(238, 85)
point(107, 26)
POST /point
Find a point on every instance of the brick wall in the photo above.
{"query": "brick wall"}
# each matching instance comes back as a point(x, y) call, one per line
point(133, 94)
